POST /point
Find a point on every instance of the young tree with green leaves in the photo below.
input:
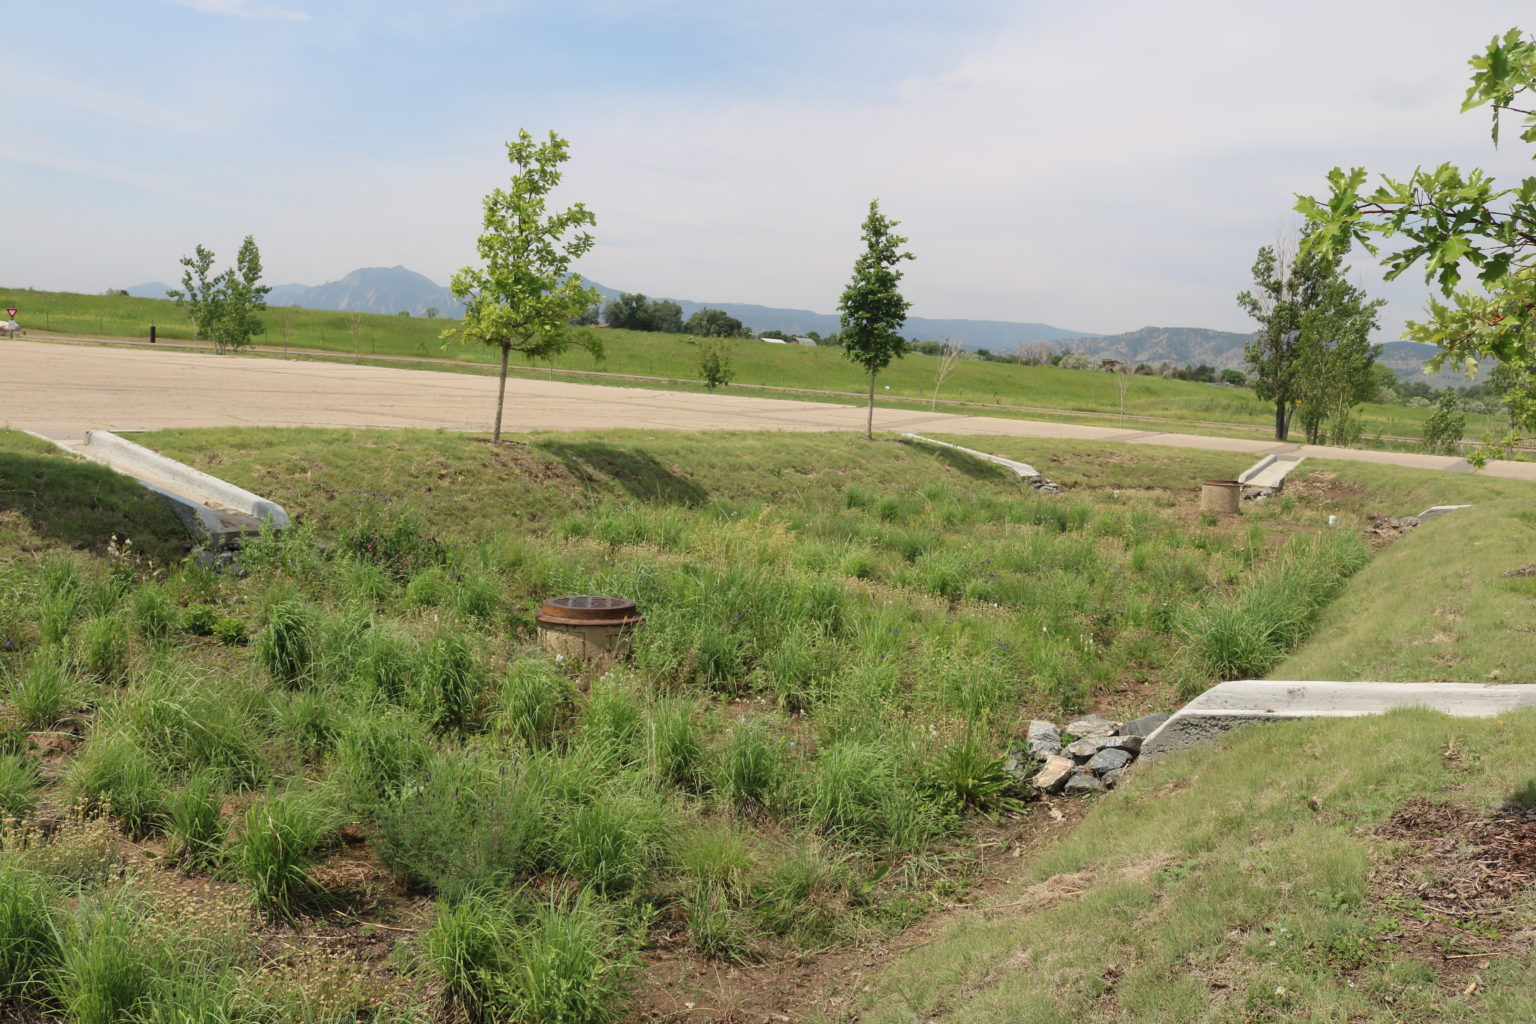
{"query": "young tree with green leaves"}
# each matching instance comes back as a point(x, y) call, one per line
point(872, 308)
point(1458, 224)
point(225, 308)
point(1313, 349)
point(521, 300)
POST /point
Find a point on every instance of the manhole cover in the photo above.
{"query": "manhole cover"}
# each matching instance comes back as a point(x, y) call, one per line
point(589, 610)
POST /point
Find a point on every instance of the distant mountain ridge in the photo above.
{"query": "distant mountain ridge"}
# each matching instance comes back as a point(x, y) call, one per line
point(393, 289)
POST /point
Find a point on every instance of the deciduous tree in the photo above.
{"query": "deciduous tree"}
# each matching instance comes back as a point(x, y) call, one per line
point(872, 308)
point(520, 300)
point(225, 308)
point(1457, 224)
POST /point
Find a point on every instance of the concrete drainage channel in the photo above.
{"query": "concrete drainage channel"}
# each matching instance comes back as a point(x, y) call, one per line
point(217, 513)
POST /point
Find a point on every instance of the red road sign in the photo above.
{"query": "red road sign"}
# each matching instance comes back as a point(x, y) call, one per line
point(10, 311)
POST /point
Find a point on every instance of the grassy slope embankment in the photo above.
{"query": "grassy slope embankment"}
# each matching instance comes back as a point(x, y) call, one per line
point(1259, 879)
point(756, 363)
point(841, 638)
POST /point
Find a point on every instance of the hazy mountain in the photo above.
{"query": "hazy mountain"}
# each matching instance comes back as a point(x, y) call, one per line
point(149, 290)
point(371, 290)
point(1181, 346)
point(998, 335)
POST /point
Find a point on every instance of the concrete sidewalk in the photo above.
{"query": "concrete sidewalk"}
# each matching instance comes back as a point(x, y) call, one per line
point(60, 390)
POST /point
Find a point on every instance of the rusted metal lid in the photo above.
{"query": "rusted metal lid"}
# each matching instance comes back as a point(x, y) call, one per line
point(1222, 483)
point(588, 610)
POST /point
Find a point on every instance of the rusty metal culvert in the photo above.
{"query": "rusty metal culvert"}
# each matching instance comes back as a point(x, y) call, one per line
point(588, 627)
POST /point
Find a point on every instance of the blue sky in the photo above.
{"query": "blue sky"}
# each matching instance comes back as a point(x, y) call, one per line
point(1099, 166)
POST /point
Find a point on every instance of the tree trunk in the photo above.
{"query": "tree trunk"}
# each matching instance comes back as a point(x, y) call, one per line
point(501, 391)
point(1282, 421)
point(869, 428)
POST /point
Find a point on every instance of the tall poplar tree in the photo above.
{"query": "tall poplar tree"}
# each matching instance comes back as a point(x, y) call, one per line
point(872, 308)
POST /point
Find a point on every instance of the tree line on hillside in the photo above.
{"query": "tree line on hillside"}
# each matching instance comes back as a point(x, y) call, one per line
point(632, 311)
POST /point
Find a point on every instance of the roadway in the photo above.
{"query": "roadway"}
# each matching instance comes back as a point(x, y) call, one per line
point(61, 390)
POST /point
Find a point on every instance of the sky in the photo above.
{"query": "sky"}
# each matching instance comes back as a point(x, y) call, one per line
point(1099, 165)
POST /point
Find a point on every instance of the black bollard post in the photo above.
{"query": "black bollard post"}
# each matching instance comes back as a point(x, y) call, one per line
point(151, 334)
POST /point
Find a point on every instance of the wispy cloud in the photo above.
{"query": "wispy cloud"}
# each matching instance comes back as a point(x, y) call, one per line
point(243, 9)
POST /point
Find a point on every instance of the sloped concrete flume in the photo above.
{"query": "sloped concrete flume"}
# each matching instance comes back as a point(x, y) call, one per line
point(1228, 705)
point(215, 511)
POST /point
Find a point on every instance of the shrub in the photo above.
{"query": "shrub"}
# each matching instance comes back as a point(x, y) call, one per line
point(970, 777)
point(280, 836)
point(715, 362)
point(1445, 426)
point(287, 646)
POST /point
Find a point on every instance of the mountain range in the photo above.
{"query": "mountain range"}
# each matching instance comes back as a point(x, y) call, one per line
point(397, 289)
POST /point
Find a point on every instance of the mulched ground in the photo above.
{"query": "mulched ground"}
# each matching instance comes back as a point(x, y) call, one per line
point(1460, 889)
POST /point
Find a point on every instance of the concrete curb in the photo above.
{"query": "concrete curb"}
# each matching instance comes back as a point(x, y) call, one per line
point(151, 463)
point(1228, 705)
point(1023, 470)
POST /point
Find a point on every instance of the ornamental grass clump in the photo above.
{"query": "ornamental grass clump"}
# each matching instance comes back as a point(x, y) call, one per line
point(30, 911)
point(287, 647)
point(279, 837)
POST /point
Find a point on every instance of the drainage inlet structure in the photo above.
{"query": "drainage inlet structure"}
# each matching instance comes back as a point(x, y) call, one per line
point(587, 627)
point(1221, 496)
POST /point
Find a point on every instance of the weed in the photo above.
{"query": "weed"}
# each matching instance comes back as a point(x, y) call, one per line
point(195, 820)
point(44, 692)
point(970, 776)
point(447, 683)
point(30, 907)
point(106, 970)
point(286, 648)
point(804, 894)
point(20, 781)
point(280, 835)
point(199, 620)
point(533, 702)
point(470, 947)
point(116, 772)
point(231, 632)
point(574, 966)
point(609, 843)
point(675, 745)
point(377, 755)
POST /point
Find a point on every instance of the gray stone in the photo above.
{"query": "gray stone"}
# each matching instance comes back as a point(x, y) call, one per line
point(1044, 739)
point(1144, 725)
point(1020, 765)
point(1082, 783)
point(1108, 760)
point(1112, 779)
point(1091, 725)
point(1055, 773)
point(1130, 744)
point(1083, 749)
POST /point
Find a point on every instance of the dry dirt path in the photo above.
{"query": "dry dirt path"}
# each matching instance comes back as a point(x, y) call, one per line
point(62, 390)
